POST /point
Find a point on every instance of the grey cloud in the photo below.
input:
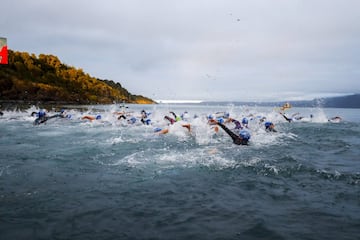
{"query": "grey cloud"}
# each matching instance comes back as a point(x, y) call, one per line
point(250, 49)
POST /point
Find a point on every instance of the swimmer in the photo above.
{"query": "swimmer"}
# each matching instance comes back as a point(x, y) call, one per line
point(91, 118)
point(132, 120)
point(144, 118)
point(270, 127)
point(171, 120)
point(63, 114)
point(122, 116)
point(166, 130)
point(245, 122)
point(335, 119)
point(285, 106)
point(212, 121)
point(236, 122)
point(241, 139)
point(146, 121)
point(286, 118)
point(161, 130)
point(42, 117)
point(177, 118)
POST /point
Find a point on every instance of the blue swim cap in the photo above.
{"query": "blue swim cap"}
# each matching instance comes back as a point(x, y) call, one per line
point(210, 117)
point(41, 113)
point(98, 117)
point(268, 124)
point(245, 121)
point(220, 120)
point(244, 134)
point(133, 120)
point(147, 121)
point(157, 129)
point(226, 115)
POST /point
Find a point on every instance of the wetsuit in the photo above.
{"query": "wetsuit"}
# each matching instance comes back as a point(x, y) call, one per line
point(236, 138)
point(44, 118)
point(122, 116)
point(171, 120)
point(144, 117)
point(237, 124)
point(286, 118)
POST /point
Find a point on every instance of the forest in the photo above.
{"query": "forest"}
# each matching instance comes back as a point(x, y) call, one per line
point(44, 78)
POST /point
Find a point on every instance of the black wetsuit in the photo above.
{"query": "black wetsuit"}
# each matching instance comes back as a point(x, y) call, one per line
point(173, 114)
point(236, 138)
point(286, 118)
point(122, 116)
point(43, 119)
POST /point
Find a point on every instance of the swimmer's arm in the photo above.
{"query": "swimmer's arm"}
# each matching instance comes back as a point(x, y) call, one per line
point(236, 139)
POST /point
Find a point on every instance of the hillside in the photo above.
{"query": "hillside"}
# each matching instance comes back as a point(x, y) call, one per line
point(347, 101)
point(44, 78)
point(350, 101)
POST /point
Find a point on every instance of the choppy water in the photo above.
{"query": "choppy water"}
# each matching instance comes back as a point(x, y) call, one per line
point(75, 179)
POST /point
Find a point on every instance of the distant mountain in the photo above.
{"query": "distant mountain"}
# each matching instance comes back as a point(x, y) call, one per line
point(348, 101)
point(44, 79)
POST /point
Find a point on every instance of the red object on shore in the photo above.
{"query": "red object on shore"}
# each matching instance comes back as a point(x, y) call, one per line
point(3, 51)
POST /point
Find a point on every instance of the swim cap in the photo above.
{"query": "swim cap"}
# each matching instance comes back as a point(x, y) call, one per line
point(157, 129)
point(244, 134)
point(132, 120)
point(245, 121)
point(220, 120)
point(147, 121)
point(41, 113)
point(98, 117)
point(268, 124)
point(210, 117)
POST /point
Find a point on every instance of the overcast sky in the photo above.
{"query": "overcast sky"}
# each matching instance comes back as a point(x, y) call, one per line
point(235, 50)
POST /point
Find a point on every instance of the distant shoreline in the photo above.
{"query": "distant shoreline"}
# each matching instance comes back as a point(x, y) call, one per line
point(349, 101)
point(178, 101)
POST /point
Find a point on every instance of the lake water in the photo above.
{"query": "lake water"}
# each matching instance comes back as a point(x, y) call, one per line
point(107, 179)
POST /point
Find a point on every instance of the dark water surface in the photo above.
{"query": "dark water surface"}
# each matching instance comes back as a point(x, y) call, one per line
point(71, 179)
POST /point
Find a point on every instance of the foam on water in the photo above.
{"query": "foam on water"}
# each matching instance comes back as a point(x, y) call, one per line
point(107, 179)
